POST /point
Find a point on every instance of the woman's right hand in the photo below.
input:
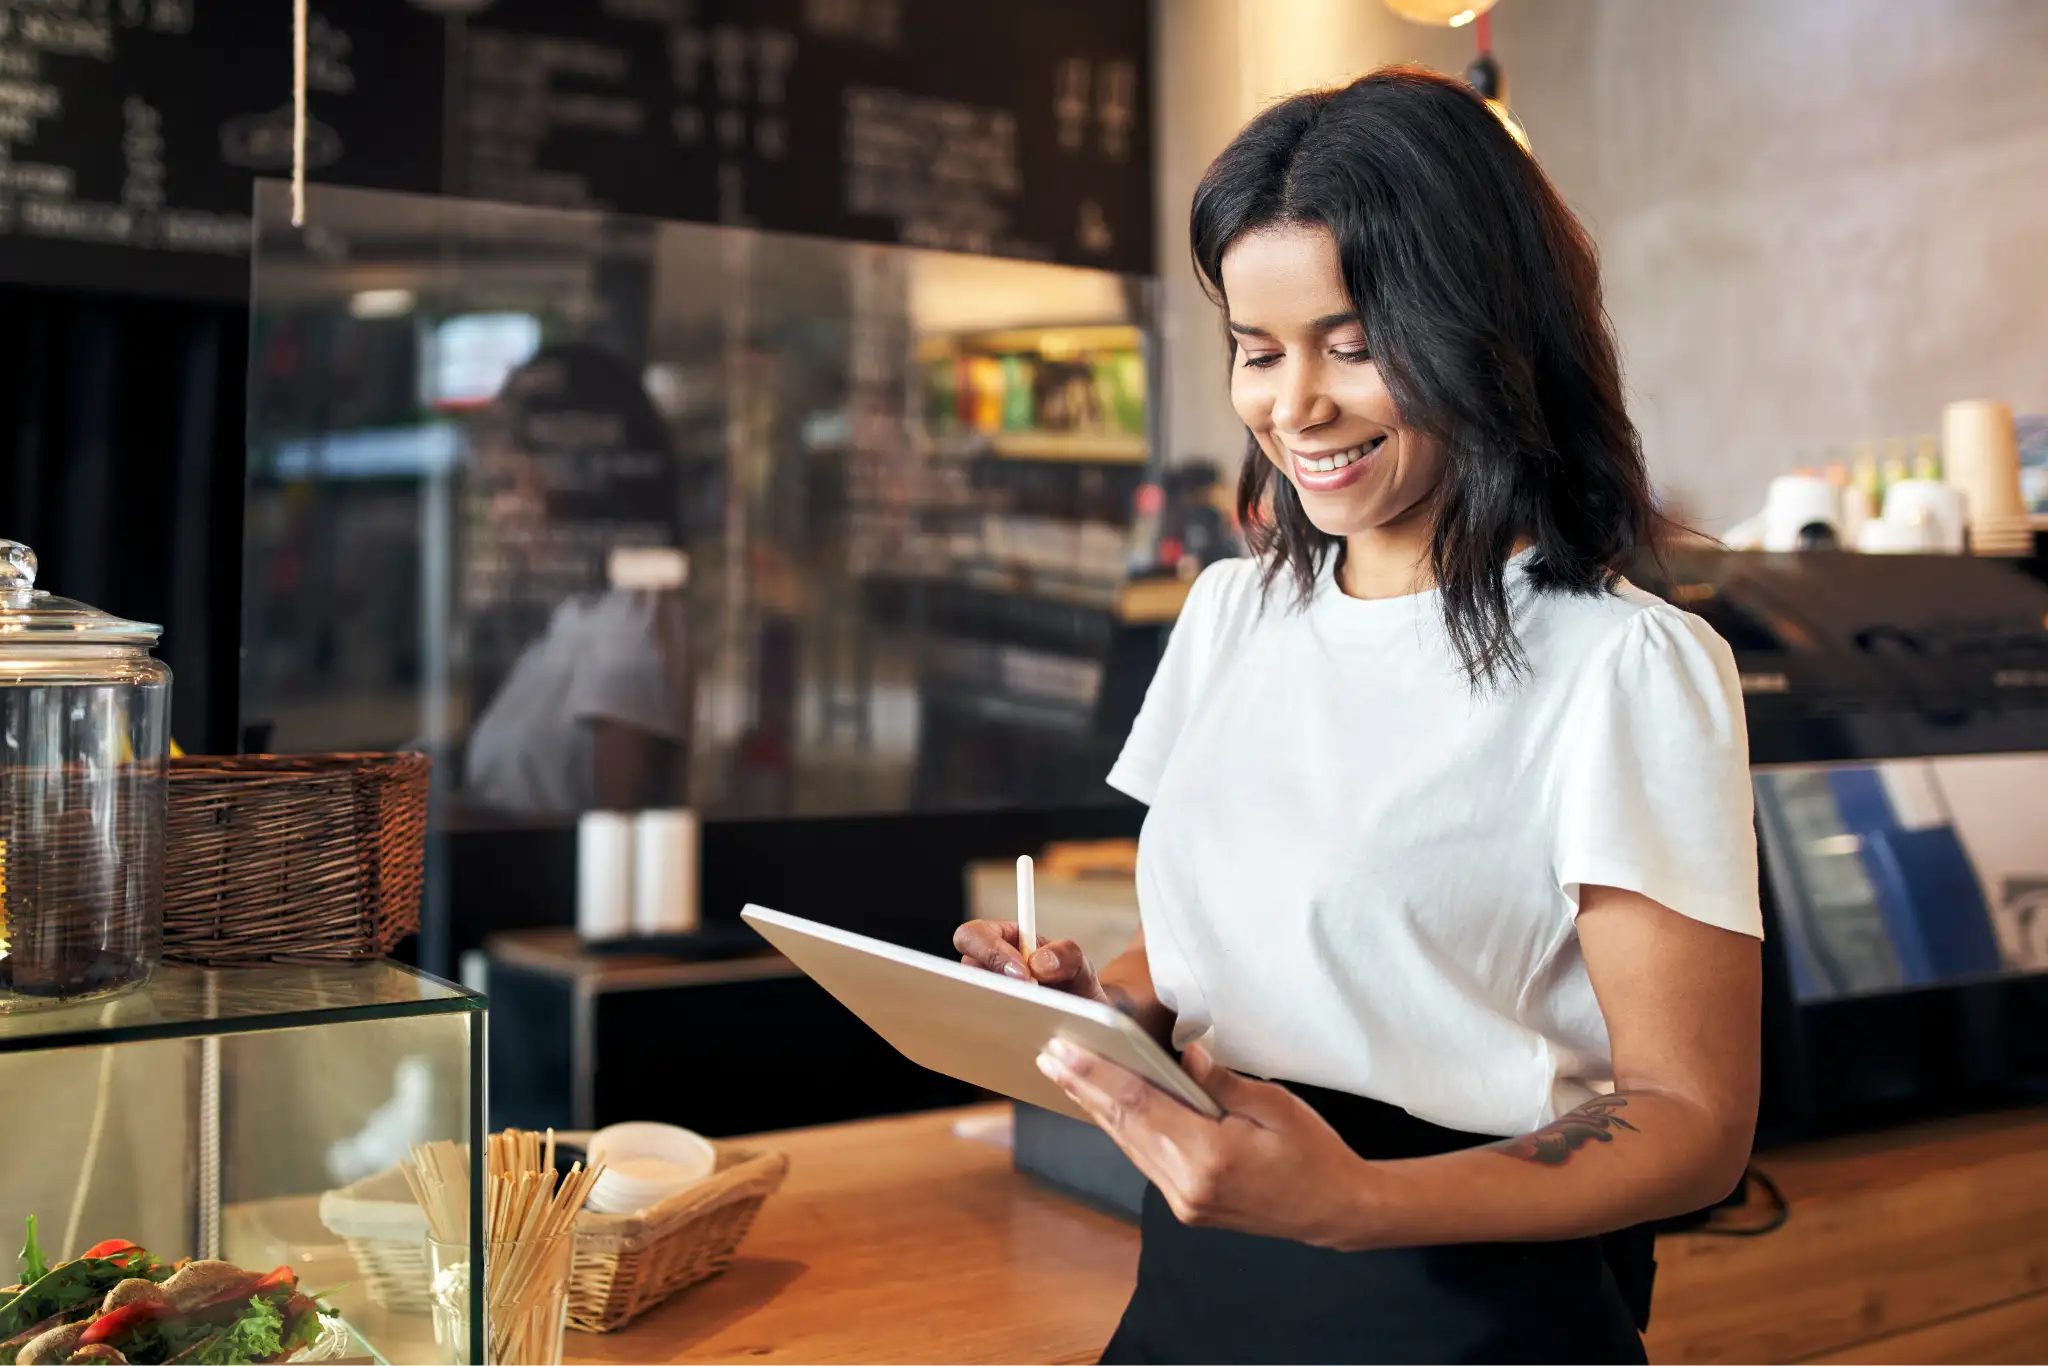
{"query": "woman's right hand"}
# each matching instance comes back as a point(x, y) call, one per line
point(993, 945)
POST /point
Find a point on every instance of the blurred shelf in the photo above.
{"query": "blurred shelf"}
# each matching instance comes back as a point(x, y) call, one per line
point(1152, 602)
point(1019, 582)
point(1107, 449)
point(561, 953)
point(1053, 340)
point(1067, 719)
point(1134, 602)
point(1070, 448)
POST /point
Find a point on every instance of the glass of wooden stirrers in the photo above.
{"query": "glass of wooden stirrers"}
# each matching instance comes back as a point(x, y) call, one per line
point(529, 1235)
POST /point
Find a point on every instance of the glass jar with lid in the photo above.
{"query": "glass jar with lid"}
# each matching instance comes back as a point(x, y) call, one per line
point(84, 784)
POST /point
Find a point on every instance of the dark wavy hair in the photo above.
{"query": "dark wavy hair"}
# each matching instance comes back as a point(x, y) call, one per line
point(1480, 297)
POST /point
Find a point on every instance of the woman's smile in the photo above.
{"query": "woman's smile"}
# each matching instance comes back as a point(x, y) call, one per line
point(1327, 471)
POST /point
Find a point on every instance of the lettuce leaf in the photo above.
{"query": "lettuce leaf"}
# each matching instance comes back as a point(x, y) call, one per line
point(257, 1335)
point(70, 1286)
point(33, 1267)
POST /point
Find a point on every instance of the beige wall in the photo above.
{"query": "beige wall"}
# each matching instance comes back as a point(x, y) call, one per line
point(1219, 61)
point(1819, 219)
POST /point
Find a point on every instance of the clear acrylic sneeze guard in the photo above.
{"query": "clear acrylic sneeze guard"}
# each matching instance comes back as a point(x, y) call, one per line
point(904, 481)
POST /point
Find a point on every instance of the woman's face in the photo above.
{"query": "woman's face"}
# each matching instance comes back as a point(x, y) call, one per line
point(1307, 387)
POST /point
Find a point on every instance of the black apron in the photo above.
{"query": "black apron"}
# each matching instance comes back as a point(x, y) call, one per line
point(1209, 1295)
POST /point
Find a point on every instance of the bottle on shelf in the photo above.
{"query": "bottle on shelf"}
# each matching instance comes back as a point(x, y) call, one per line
point(1927, 457)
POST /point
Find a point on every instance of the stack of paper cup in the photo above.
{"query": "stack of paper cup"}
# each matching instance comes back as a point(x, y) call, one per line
point(604, 875)
point(645, 1164)
point(1981, 456)
point(665, 872)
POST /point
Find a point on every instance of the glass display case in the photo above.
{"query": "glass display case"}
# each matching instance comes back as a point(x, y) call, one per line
point(226, 1113)
point(905, 482)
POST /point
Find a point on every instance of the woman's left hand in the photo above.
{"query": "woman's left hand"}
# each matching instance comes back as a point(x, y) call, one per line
point(1270, 1166)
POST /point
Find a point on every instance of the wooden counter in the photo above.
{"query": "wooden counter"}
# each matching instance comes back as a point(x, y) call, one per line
point(896, 1241)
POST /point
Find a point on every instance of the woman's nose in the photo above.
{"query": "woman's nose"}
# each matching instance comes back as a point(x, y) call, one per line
point(1301, 402)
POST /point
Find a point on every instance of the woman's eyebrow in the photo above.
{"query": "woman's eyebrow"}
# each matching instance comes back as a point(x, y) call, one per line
point(1325, 323)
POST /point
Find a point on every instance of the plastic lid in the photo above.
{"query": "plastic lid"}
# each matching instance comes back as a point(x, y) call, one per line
point(30, 616)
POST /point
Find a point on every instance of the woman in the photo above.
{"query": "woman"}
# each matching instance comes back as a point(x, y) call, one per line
point(1448, 885)
point(585, 698)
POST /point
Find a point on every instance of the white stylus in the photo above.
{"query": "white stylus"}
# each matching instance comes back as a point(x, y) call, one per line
point(1027, 907)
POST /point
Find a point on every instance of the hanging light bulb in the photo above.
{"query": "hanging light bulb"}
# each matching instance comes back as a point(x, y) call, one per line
point(1440, 13)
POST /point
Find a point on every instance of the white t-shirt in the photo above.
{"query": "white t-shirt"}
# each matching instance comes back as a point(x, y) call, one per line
point(1359, 874)
point(533, 750)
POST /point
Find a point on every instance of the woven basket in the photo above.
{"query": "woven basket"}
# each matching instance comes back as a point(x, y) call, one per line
point(628, 1263)
point(625, 1264)
point(311, 858)
point(386, 1232)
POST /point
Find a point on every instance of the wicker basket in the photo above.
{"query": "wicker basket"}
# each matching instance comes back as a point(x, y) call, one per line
point(293, 858)
point(625, 1265)
point(386, 1232)
point(628, 1263)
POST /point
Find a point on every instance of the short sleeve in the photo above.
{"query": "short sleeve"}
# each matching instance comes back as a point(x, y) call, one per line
point(1653, 792)
point(1212, 617)
point(618, 670)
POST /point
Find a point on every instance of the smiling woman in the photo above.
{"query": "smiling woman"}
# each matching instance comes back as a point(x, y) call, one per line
point(1490, 383)
point(1448, 885)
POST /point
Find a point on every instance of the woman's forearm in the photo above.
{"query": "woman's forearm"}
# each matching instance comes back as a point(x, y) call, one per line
point(1616, 1161)
point(1127, 981)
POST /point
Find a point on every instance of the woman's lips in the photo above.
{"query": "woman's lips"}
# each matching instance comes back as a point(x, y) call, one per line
point(1349, 466)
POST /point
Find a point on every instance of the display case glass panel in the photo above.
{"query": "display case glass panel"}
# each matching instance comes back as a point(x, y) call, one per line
point(252, 1115)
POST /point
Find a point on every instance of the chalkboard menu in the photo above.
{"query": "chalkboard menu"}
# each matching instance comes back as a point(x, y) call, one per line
point(130, 130)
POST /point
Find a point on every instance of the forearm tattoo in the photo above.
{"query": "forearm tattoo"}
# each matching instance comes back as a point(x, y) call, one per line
point(1594, 1122)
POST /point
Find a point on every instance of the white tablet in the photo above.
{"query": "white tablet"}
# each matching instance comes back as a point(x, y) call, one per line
point(979, 1026)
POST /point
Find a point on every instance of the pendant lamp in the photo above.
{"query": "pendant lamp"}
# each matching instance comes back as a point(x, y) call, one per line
point(1440, 13)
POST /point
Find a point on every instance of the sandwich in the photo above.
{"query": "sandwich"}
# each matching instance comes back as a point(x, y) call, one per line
point(117, 1303)
point(53, 1296)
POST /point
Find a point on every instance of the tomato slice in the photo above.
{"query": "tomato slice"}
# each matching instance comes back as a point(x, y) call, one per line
point(110, 1247)
point(279, 1283)
point(283, 1279)
point(125, 1319)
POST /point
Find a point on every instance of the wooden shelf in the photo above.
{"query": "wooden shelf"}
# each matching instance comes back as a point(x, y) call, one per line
point(1056, 340)
point(1062, 447)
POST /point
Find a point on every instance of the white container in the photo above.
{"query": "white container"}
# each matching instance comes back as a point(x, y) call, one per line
point(1883, 537)
point(1795, 502)
point(665, 847)
point(1933, 507)
point(645, 1164)
point(604, 875)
